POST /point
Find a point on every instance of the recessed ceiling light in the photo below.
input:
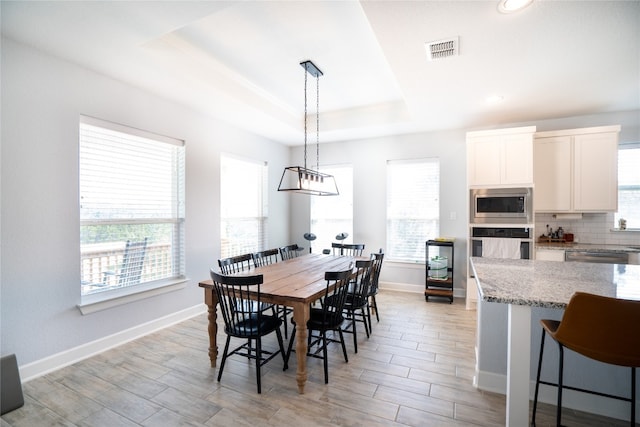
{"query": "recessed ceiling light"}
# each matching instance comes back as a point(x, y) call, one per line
point(510, 6)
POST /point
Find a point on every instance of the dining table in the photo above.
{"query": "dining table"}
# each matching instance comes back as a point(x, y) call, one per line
point(294, 283)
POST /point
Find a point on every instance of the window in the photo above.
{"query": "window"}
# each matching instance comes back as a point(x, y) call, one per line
point(629, 185)
point(413, 207)
point(131, 190)
point(332, 215)
point(243, 206)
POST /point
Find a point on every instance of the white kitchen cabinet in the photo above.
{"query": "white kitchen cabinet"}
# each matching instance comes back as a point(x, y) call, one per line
point(552, 173)
point(501, 157)
point(595, 172)
point(576, 170)
point(549, 255)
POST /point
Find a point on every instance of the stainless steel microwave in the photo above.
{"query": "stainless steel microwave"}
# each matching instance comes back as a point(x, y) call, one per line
point(501, 205)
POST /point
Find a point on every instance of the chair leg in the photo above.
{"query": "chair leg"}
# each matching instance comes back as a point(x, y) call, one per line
point(258, 362)
point(364, 320)
point(325, 357)
point(285, 358)
point(344, 347)
point(284, 319)
point(293, 337)
point(560, 370)
point(535, 395)
point(633, 397)
point(224, 357)
point(369, 316)
point(375, 307)
point(354, 329)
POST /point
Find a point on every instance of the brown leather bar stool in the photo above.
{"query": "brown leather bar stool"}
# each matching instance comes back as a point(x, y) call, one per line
point(596, 327)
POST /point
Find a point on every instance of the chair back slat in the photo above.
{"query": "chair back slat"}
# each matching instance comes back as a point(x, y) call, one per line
point(235, 264)
point(262, 258)
point(290, 251)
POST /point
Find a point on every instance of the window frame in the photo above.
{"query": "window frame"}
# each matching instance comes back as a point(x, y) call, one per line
point(418, 247)
point(176, 277)
point(622, 187)
point(262, 205)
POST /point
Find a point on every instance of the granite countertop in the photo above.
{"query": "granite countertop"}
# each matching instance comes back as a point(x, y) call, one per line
point(551, 284)
point(575, 247)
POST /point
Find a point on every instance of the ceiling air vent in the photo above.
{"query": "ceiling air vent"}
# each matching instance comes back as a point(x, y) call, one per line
point(442, 49)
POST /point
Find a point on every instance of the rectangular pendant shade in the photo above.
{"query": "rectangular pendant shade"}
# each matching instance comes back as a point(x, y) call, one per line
point(308, 181)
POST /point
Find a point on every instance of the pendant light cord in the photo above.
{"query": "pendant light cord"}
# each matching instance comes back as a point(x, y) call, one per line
point(305, 117)
point(318, 123)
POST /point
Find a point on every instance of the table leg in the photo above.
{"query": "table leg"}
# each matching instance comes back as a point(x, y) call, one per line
point(301, 314)
point(211, 300)
point(518, 365)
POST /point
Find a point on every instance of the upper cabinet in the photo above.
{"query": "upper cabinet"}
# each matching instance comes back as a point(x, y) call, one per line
point(501, 157)
point(576, 170)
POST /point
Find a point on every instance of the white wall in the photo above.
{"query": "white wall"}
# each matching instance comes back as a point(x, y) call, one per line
point(369, 159)
point(42, 99)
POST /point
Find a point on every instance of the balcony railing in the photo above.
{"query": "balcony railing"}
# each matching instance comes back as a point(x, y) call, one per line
point(101, 263)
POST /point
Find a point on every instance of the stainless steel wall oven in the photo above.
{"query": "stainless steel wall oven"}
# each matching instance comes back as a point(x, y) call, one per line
point(524, 235)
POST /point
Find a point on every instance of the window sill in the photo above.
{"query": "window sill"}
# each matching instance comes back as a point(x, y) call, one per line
point(617, 230)
point(109, 299)
point(405, 264)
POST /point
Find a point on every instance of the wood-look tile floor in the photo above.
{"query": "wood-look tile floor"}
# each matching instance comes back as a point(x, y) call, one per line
point(415, 370)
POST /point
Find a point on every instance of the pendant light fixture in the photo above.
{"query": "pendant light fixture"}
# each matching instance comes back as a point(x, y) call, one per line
point(301, 179)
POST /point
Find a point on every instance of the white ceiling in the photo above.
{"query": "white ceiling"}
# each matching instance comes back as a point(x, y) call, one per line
point(238, 61)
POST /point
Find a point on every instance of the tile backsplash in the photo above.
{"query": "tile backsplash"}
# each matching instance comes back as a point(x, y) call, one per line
point(593, 228)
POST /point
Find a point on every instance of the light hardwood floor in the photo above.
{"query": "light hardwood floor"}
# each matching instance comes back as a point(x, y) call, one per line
point(415, 370)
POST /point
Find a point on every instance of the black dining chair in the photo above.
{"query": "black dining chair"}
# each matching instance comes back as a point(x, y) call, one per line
point(290, 251)
point(336, 248)
point(239, 298)
point(352, 249)
point(377, 259)
point(235, 264)
point(356, 303)
point(347, 249)
point(267, 257)
point(238, 264)
point(327, 317)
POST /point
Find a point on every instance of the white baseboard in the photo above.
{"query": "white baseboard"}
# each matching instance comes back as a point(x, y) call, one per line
point(584, 402)
point(402, 287)
point(68, 357)
point(415, 289)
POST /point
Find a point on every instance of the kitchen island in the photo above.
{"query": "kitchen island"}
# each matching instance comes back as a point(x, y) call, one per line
point(519, 286)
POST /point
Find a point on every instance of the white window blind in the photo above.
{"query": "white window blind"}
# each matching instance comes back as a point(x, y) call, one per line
point(131, 190)
point(629, 185)
point(413, 207)
point(243, 206)
point(331, 215)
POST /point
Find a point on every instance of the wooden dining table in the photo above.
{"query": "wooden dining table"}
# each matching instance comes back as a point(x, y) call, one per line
point(293, 283)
